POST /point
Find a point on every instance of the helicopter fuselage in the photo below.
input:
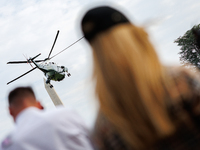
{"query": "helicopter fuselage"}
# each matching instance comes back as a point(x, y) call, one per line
point(52, 71)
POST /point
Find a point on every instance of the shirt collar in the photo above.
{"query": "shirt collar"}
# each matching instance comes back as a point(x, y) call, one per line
point(24, 113)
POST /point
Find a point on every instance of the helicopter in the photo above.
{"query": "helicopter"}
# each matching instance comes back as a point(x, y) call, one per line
point(50, 69)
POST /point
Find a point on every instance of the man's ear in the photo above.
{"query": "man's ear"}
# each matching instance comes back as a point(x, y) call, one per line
point(10, 111)
point(39, 106)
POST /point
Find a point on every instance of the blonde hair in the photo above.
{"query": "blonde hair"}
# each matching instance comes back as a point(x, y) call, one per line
point(131, 84)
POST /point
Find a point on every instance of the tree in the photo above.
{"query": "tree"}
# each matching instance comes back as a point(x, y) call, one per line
point(190, 51)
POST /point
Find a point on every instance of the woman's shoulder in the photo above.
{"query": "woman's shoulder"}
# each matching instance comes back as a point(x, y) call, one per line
point(187, 83)
point(185, 109)
point(189, 78)
point(180, 70)
point(104, 135)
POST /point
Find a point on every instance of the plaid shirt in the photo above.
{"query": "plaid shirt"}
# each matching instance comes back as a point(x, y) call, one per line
point(187, 135)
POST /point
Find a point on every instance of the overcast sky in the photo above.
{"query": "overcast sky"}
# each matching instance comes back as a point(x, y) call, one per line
point(29, 28)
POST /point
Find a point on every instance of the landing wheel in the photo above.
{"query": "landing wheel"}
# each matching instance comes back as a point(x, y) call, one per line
point(48, 81)
point(68, 74)
point(51, 86)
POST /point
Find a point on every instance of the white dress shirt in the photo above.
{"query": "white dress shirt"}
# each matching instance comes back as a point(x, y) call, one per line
point(60, 129)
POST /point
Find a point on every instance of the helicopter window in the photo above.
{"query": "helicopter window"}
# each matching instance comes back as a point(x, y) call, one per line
point(52, 62)
point(62, 67)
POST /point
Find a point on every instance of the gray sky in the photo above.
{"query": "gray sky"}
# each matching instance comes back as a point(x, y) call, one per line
point(29, 28)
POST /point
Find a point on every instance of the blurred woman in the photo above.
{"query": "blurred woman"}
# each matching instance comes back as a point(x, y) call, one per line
point(143, 105)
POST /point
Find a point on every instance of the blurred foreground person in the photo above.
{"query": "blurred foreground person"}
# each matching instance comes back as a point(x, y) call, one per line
point(143, 105)
point(35, 129)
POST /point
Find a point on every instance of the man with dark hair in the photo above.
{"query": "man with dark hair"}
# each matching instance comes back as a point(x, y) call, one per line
point(20, 99)
point(60, 129)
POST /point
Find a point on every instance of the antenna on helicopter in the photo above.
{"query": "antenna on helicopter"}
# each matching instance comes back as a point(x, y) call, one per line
point(68, 47)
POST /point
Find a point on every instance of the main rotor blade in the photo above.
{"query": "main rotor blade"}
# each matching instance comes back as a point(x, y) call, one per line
point(16, 62)
point(20, 62)
point(22, 75)
point(53, 43)
point(38, 60)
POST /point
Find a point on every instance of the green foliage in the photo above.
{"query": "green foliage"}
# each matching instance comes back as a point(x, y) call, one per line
point(190, 52)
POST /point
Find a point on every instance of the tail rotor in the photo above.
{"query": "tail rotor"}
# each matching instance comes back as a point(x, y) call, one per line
point(28, 61)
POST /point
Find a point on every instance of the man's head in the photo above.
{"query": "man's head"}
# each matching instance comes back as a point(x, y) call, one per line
point(21, 98)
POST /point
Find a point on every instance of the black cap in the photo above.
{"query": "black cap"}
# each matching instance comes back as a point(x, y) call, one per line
point(100, 19)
